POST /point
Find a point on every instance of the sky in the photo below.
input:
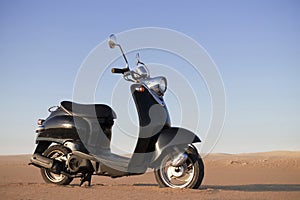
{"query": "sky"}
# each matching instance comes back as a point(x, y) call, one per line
point(255, 45)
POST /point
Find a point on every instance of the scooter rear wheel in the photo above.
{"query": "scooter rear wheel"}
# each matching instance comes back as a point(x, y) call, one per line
point(56, 151)
point(189, 175)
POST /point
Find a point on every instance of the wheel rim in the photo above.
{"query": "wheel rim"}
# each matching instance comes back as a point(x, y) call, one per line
point(55, 178)
point(177, 177)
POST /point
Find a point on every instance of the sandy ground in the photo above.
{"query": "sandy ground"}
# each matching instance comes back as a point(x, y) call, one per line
point(272, 175)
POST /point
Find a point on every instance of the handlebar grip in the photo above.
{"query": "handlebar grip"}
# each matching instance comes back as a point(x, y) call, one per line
point(119, 71)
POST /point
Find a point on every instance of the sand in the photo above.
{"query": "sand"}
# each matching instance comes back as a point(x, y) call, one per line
point(271, 175)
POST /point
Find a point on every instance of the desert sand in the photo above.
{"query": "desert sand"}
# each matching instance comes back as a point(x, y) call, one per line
point(272, 175)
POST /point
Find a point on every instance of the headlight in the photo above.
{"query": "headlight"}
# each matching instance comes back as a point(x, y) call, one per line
point(163, 85)
point(157, 85)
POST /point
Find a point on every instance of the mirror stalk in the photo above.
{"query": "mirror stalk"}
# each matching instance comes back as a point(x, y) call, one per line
point(127, 66)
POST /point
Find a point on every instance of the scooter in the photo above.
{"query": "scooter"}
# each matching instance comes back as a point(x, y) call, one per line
point(74, 141)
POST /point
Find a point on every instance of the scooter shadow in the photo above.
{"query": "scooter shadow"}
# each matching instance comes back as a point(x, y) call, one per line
point(145, 184)
point(103, 185)
point(255, 187)
point(242, 188)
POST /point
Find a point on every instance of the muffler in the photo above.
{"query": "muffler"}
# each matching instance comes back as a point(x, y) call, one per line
point(41, 161)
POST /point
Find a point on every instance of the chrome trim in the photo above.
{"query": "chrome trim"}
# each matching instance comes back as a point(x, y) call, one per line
point(40, 129)
point(71, 145)
point(51, 109)
point(133, 76)
point(155, 84)
point(143, 72)
point(159, 101)
point(179, 160)
point(66, 110)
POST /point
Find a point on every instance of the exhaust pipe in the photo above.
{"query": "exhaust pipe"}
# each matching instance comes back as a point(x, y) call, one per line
point(41, 161)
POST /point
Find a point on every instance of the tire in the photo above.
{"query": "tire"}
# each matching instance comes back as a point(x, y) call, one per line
point(50, 177)
point(189, 175)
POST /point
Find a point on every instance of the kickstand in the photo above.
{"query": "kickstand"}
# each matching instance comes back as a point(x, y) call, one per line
point(86, 177)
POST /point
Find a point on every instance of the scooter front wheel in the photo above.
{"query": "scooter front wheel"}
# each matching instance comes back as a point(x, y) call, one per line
point(188, 175)
point(55, 152)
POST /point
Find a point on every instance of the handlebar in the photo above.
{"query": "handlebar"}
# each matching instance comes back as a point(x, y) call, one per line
point(119, 71)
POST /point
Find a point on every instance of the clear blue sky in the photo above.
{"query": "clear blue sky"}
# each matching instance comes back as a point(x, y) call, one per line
point(255, 44)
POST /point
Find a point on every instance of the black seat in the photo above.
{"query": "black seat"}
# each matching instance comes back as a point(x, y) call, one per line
point(89, 110)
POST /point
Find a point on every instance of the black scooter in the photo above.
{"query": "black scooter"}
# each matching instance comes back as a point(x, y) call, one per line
point(74, 141)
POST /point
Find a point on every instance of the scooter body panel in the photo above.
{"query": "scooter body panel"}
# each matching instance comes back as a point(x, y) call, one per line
point(153, 118)
point(60, 127)
point(155, 133)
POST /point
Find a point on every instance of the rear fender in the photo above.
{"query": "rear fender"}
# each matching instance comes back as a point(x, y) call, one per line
point(41, 147)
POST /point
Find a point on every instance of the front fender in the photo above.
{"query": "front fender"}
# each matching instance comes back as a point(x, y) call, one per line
point(172, 137)
point(175, 136)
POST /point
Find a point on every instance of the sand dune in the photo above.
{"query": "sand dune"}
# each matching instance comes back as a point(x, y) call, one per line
point(271, 175)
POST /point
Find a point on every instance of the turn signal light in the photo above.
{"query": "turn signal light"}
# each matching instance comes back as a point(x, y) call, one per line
point(140, 89)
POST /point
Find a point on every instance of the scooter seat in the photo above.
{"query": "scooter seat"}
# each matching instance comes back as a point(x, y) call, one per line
point(89, 110)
